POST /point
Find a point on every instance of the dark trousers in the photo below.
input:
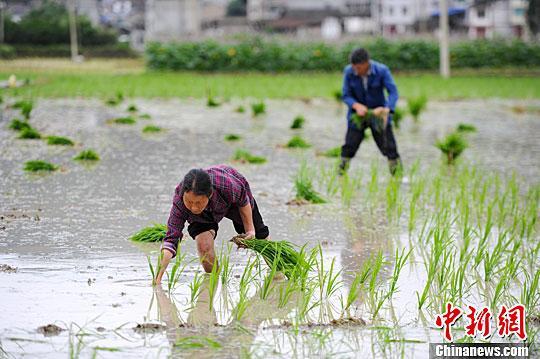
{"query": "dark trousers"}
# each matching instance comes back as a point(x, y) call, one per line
point(384, 139)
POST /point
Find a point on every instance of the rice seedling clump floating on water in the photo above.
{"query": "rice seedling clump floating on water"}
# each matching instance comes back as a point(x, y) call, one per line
point(212, 102)
point(18, 125)
point(87, 155)
point(298, 122)
point(156, 233)
point(29, 133)
point(258, 108)
point(465, 127)
point(132, 108)
point(452, 146)
point(240, 109)
point(416, 106)
point(25, 106)
point(304, 187)
point(115, 100)
point(333, 152)
point(38, 165)
point(232, 137)
point(244, 156)
point(297, 142)
point(151, 129)
point(60, 141)
point(125, 120)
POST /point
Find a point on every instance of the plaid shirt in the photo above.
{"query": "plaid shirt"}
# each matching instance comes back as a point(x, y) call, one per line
point(230, 189)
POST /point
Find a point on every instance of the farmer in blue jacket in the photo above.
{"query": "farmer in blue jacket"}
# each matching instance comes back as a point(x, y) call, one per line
point(364, 82)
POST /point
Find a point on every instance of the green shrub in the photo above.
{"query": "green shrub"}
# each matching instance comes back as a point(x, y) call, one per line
point(246, 157)
point(258, 108)
point(18, 125)
point(452, 146)
point(151, 129)
point(297, 142)
point(29, 133)
point(298, 122)
point(87, 155)
point(61, 141)
point(232, 137)
point(38, 165)
point(416, 106)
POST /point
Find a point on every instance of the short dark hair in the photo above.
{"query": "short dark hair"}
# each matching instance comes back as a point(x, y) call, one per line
point(359, 56)
point(198, 182)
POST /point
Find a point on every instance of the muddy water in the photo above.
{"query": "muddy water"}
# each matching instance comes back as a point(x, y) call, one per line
point(66, 232)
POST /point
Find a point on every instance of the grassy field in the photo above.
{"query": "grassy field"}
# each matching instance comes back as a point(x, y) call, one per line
point(103, 78)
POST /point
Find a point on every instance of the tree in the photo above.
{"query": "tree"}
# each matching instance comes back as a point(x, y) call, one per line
point(533, 16)
point(237, 8)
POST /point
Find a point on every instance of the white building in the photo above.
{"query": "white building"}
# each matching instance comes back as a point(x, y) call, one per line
point(172, 20)
point(505, 18)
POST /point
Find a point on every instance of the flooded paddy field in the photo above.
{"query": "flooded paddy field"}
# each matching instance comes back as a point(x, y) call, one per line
point(465, 234)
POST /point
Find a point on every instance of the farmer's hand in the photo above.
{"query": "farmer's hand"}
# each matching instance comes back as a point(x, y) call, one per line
point(360, 109)
point(167, 255)
point(381, 111)
point(249, 235)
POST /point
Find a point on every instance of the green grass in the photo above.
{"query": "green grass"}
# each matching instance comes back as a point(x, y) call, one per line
point(18, 125)
point(151, 129)
point(124, 120)
point(56, 82)
point(87, 155)
point(156, 233)
point(298, 122)
point(232, 137)
point(60, 141)
point(244, 156)
point(297, 142)
point(29, 133)
point(38, 165)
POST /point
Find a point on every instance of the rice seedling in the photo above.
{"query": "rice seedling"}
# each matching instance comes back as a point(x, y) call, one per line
point(333, 152)
point(151, 129)
point(399, 261)
point(304, 186)
point(115, 100)
point(465, 127)
point(398, 116)
point(357, 285)
point(197, 342)
point(25, 106)
point(176, 270)
point(258, 108)
point(60, 141)
point(213, 282)
point(226, 268)
point(29, 133)
point(244, 156)
point(38, 165)
point(18, 125)
point(212, 102)
point(530, 292)
point(337, 94)
point(195, 287)
point(298, 122)
point(124, 120)
point(232, 137)
point(416, 106)
point(145, 116)
point(155, 272)
point(452, 146)
point(240, 109)
point(87, 155)
point(297, 142)
point(156, 233)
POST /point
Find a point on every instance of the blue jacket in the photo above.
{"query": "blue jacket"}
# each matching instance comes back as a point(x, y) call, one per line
point(379, 79)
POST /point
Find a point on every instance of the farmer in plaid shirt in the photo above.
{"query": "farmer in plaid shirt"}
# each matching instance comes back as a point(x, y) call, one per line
point(202, 199)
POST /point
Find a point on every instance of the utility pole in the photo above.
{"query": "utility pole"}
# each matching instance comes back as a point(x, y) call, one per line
point(73, 31)
point(444, 52)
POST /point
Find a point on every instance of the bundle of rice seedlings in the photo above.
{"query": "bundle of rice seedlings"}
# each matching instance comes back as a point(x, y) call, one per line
point(376, 121)
point(151, 129)
point(29, 133)
point(465, 127)
point(452, 146)
point(87, 155)
point(211, 102)
point(38, 165)
point(232, 137)
point(25, 106)
point(58, 140)
point(156, 233)
point(244, 156)
point(297, 142)
point(416, 106)
point(240, 109)
point(124, 120)
point(132, 108)
point(115, 100)
point(333, 152)
point(18, 125)
point(281, 253)
point(145, 116)
point(398, 115)
point(304, 187)
point(338, 95)
point(258, 108)
point(298, 122)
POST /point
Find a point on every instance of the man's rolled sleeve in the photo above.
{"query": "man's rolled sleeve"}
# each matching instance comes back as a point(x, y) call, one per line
point(175, 225)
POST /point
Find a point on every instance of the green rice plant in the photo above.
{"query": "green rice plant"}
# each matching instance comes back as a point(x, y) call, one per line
point(530, 292)
point(337, 94)
point(38, 165)
point(298, 122)
point(87, 155)
point(29, 133)
point(240, 109)
point(297, 142)
point(25, 106)
point(244, 156)
point(132, 108)
point(333, 152)
point(145, 116)
point(18, 125)
point(115, 100)
point(197, 342)
point(155, 272)
point(304, 186)
point(226, 268)
point(258, 108)
point(232, 137)
point(213, 282)
point(452, 146)
point(58, 140)
point(196, 286)
point(212, 102)
point(416, 106)
point(156, 233)
point(305, 304)
point(176, 270)
point(399, 261)
point(357, 285)
point(151, 129)
point(398, 116)
point(125, 120)
point(279, 253)
point(465, 127)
